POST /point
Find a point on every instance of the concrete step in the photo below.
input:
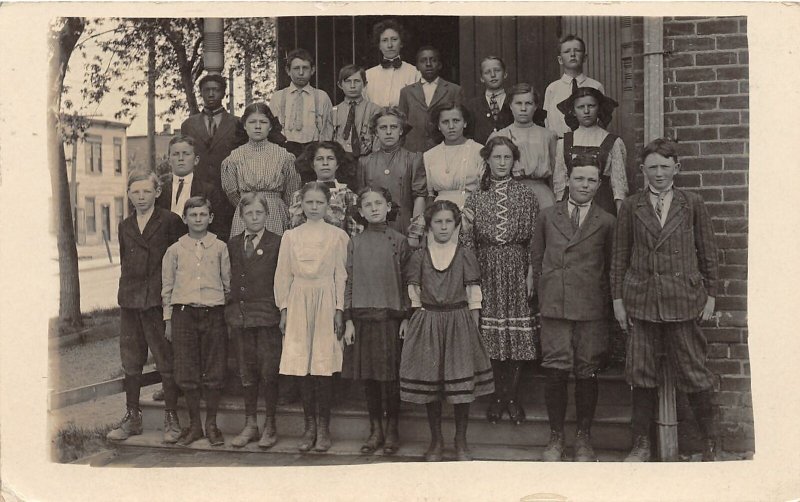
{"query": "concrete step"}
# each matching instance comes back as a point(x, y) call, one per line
point(350, 422)
point(347, 451)
point(613, 388)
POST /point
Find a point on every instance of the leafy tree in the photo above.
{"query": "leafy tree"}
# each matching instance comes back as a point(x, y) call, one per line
point(64, 36)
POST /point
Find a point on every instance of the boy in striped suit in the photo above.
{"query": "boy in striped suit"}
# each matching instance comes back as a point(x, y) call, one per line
point(664, 281)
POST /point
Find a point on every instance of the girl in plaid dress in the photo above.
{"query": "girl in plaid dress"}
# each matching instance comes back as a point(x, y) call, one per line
point(262, 166)
point(330, 163)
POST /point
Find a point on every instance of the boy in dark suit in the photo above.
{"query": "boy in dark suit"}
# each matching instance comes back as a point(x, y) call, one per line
point(143, 239)
point(216, 134)
point(418, 99)
point(253, 317)
point(571, 261)
point(183, 183)
point(664, 279)
point(490, 109)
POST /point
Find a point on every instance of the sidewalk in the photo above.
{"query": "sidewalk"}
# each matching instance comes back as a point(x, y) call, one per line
point(96, 256)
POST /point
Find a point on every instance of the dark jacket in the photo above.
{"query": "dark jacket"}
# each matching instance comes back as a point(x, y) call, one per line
point(664, 274)
point(483, 124)
point(412, 103)
point(199, 187)
point(571, 268)
point(252, 300)
point(140, 257)
point(212, 151)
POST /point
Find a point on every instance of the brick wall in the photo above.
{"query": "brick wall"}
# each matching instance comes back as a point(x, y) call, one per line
point(706, 108)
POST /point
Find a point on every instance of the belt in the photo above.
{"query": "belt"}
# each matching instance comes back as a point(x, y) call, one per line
point(206, 308)
point(446, 307)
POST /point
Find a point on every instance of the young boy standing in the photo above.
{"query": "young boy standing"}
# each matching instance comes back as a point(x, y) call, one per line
point(571, 56)
point(196, 277)
point(351, 117)
point(571, 260)
point(490, 110)
point(143, 239)
point(303, 111)
point(664, 279)
point(419, 98)
point(253, 317)
point(183, 183)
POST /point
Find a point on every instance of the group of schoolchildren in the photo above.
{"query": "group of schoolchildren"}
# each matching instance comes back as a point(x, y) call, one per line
point(386, 284)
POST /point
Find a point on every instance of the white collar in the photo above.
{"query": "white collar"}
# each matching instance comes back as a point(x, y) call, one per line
point(307, 88)
point(186, 179)
point(581, 78)
point(425, 82)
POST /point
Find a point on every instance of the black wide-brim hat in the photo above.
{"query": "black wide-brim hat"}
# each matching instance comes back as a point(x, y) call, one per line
point(604, 114)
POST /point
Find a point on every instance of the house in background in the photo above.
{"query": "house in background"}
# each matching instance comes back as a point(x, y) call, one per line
point(137, 150)
point(101, 171)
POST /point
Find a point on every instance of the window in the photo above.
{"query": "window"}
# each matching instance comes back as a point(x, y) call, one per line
point(94, 155)
point(91, 222)
point(119, 209)
point(117, 155)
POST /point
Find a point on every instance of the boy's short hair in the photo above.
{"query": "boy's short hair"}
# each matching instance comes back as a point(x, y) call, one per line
point(389, 111)
point(350, 70)
point(493, 58)
point(388, 24)
point(251, 198)
point(141, 175)
point(524, 88)
point(442, 205)
point(428, 48)
point(585, 159)
point(665, 147)
point(181, 138)
point(197, 201)
point(299, 54)
point(569, 38)
point(212, 77)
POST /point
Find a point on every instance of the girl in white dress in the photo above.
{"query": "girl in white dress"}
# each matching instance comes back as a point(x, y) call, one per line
point(454, 167)
point(309, 290)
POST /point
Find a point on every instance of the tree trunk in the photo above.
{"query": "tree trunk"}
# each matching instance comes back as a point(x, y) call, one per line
point(151, 102)
point(248, 80)
point(63, 42)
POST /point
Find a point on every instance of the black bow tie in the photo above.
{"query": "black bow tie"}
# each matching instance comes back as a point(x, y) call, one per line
point(211, 113)
point(330, 184)
point(388, 63)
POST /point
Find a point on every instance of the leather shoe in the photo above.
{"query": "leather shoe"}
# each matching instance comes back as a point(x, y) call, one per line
point(214, 435)
point(172, 427)
point(710, 450)
point(131, 425)
point(583, 448)
point(270, 436)
point(248, 434)
point(640, 451)
point(190, 435)
point(554, 452)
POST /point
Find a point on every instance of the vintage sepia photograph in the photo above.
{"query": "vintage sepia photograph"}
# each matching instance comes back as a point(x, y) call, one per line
point(366, 239)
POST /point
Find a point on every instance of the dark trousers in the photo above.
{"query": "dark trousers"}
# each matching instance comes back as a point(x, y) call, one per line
point(200, 342)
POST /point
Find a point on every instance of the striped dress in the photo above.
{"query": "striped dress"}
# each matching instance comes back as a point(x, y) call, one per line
point(261, 166)
point(501, 233)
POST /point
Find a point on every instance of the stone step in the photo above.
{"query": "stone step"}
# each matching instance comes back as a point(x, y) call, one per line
point(349, 421)
point(613, 388)
point(347, 451)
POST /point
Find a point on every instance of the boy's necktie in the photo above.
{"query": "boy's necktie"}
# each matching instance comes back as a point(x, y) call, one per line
point(574, 85)
point(180, 189)
point(493, 106)
point(659, 202)
point(576, 214)
point(351, 118)
point(212, 124)
point(249, 248)
point(298, 112)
